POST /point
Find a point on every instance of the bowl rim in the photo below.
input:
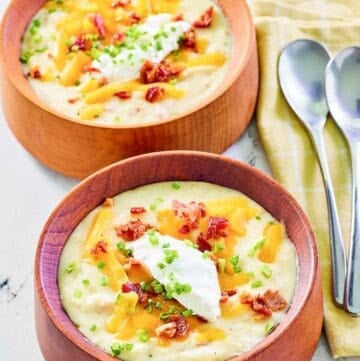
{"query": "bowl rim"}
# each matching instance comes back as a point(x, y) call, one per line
point(231, 76)
point(312, 268)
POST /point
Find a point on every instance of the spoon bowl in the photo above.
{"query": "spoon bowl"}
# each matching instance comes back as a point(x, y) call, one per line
point(343, 96)
point(301, 73)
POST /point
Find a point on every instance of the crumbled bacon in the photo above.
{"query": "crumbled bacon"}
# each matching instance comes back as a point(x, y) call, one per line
point(100, 25)
point(274, 300)
point(78, 44)
point(177, 327)
point(202, 243)
point(135, 287)
point(265, 304)
point(154, 94)
point(34, 73)
point(123, 95)
point(182, 326)
point(191, 213)
point(119, 37)
point(205, 19)
point(132, 230)
point(167, 330)
point(137, 210)
point(217, 227)
point(189, 40)
point(103, 81)
point(91, 69)
point(120, 3)
point(73, 100)
point(163, 72)
point(185, 229)
point(179, 17)
point(225, 295)
point(100, 247)
point(134, 18)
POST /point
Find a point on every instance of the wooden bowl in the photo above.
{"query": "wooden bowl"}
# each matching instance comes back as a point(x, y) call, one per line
point(78, 149)
point(299, 331)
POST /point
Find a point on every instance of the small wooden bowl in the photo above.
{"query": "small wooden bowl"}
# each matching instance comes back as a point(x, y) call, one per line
point(78, 149)
point(297, 335)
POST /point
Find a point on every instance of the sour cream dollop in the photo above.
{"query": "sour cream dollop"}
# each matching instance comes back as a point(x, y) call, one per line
point(153, 40)
point(189, 268)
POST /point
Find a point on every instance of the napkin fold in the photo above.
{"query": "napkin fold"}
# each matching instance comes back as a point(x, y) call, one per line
point(336, 23)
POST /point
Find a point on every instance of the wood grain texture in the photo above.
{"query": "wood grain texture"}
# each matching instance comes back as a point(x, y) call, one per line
point(294, 339)
point(78, 149)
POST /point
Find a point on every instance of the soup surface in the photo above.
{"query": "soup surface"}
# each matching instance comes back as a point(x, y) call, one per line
point(126, 61)
point(177, 271)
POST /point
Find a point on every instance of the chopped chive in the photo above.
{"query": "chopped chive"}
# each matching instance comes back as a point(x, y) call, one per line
point(269, 327)
point(104, 281)
point(187, 313)
point(266, 271)
point(143, 335)
point(161, 265)
point(101, 265)
point(93, 327)
point(154, 206)
point(176, 185)
point(171, 255)
point(118, 348)
point(258, 218)
point(86, 282)
point(71, 267)
point(256, 284)
point(77, 294)
point(153, 239)
point(164, 316)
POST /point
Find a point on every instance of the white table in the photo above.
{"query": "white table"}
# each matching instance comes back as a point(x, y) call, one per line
point(28, 193)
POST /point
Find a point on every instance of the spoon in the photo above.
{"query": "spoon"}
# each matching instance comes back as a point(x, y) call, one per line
point(301, 71)
point(343, 96)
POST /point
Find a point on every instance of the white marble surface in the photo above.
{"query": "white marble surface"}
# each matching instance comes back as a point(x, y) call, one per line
point(28, 193)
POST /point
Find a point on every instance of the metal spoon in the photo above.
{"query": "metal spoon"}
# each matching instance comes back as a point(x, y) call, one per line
point(343, 96)
point(301, 72)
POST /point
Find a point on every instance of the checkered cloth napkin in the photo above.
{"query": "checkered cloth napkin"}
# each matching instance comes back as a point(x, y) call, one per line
point(336, 23)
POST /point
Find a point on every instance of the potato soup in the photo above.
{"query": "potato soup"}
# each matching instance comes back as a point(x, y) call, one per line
point(178, 271)
point(126, 61)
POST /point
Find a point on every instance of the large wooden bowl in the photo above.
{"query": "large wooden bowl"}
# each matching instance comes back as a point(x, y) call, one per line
point(77, 149)
point(294, 339)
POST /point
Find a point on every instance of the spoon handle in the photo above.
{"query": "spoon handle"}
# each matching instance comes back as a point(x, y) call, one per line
point(336, 241)
point(352, 293)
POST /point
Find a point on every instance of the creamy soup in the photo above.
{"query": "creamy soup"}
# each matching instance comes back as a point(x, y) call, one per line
point(126, 61)
point(178, 271)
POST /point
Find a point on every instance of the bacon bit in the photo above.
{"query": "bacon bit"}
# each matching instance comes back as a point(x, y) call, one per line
point(189, 40)
point(191, 212)
point(90, 69)
point(185, 229)
point(205, 19)
point(73, 100)
point(119, 37)
point(182, 326)
point(176, 328)
point(217, 227)
point(137, 210)
point(133, 230)
point(135, 287)
point(100, 26)
point(154, 94)
point(109, 202)
point(274, 300)
point(179, 17)
point(167, 330)
point(225, 295)
point(34, 73)
point(103, 81)
point(123, 95)
point(265, 304)
point(100, 247)
point(134, 18)
point(120, 3)
point(78, 44)
point(203, 244)
point(153, 73)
